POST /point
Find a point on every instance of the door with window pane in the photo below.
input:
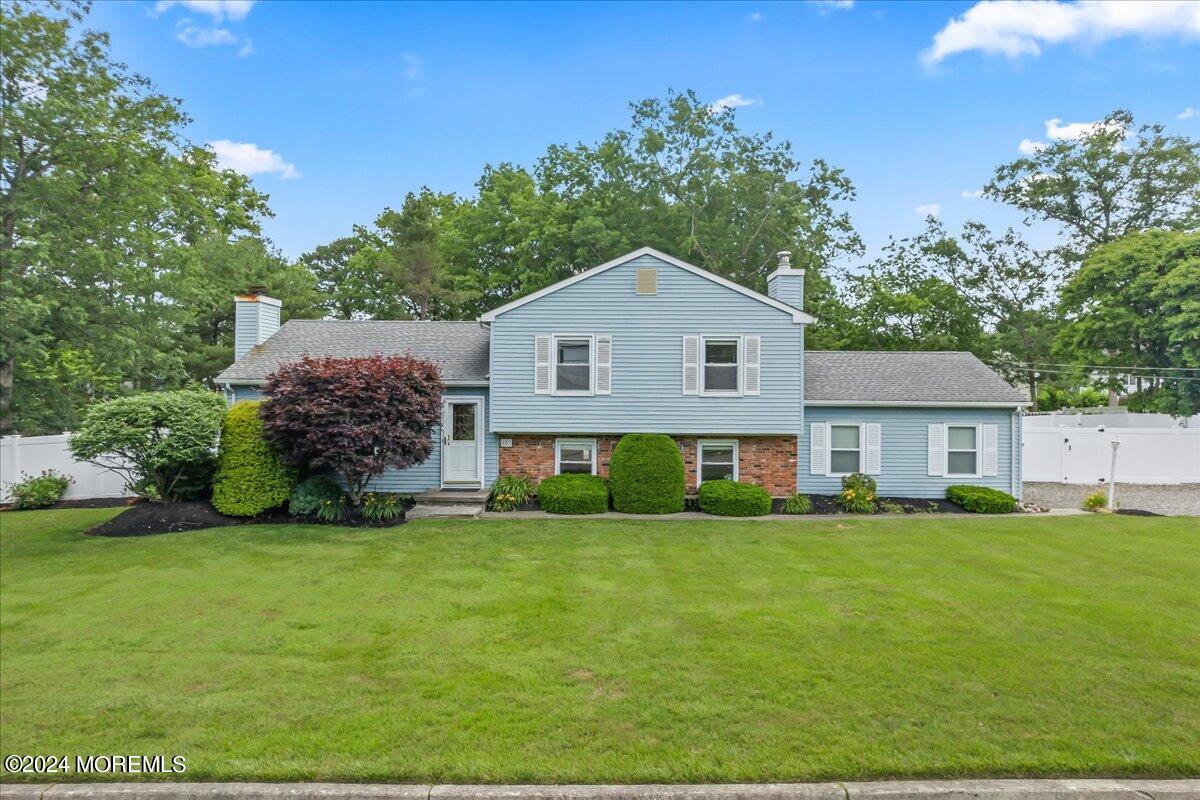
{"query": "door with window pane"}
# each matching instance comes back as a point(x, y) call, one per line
point(461, 441)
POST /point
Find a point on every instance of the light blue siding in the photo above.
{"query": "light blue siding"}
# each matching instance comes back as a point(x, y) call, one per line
point(787, 289)
point(429, 474)
point(253, 323)
point(905, 448)
point(647, 357)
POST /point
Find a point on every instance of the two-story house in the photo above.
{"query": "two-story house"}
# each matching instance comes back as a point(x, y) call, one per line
point(649, 343)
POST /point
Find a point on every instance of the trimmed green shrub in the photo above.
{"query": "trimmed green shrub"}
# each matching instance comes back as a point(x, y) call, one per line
point(734, 499)
point(308, 494)
point(981, 499)
point(858, 494)
point(798, 504)
point(1096, 501)
point(38, 491)
point(509, 492)
point(573, 494)
point(250, 477)
point(379, 506)
point(163, 443)
point(646, 474)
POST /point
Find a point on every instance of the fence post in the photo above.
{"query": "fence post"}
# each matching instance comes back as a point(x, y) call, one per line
point(1112, 473)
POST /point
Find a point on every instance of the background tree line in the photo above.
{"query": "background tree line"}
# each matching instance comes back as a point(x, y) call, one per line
point(123, 242)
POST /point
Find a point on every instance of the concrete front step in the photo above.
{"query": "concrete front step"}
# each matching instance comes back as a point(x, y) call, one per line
point(452, 497)
point(444, 511)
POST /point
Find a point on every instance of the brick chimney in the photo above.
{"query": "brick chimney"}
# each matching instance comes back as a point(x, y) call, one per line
point(255, 318)
point(786, 284)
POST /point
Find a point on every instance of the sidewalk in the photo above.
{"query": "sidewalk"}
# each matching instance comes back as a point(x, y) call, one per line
point(1020, 789)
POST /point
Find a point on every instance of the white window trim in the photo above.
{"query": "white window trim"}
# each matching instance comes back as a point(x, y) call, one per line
point(554, 390)
point(829, 448)
point(946, 450)
point(741, 365)
point(558, 445)
point(702, 443)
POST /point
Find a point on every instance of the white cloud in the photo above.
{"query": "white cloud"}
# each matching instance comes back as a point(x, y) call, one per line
point(834, 5)
point(250, 159)
point(219, 10)
point(756, 16)
point(1188, 113)
point(414, 66)
point(1015, 28)
point(194, 36)
point(972, 194)
point(1030, 147)
point(732, 101)
point(929, 210)
point(246, 49)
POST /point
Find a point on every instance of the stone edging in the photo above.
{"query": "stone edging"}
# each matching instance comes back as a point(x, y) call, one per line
point(1019, 789)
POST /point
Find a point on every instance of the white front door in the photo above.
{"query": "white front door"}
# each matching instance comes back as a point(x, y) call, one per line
point(461, 441)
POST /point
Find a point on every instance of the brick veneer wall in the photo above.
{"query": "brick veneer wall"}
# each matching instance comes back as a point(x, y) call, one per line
point(768, 461)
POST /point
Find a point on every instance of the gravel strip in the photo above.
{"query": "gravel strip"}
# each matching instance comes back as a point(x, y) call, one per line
point(1173, 499)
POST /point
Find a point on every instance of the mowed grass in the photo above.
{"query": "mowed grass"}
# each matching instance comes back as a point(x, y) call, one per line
point(607, 651)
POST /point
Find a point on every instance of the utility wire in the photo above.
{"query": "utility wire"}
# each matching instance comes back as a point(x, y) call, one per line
point(1101, 366)
point(1178, 378)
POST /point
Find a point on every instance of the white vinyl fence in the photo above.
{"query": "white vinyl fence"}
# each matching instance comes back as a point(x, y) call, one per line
point(33, 454)
point(1084, 455)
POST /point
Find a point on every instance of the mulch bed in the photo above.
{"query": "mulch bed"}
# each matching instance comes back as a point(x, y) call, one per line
point(88, 502)
point(147, 519)
point(827, 504)
point(1134, 512)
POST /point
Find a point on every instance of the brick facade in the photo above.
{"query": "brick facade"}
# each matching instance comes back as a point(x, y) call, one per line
point(767, 461)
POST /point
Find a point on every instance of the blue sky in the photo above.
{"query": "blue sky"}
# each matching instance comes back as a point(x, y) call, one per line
point(359, 103)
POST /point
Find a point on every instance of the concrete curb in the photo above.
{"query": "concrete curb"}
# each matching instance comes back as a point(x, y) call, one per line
point(1020, 789)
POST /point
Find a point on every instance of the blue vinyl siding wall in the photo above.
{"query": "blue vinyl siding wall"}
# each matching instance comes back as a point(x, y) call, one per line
point(429, 474)
point(905, 448)
point(647, 357)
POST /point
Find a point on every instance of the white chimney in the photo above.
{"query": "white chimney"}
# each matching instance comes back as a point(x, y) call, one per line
point(255, 318)
point(786, 284)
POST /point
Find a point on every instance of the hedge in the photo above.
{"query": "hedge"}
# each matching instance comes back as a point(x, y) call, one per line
point(573, 494)
point(734, 499)
point(981, 499)
point(250, 477)
point(646, 474)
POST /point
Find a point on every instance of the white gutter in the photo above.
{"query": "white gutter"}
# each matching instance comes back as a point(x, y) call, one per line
point(914, 403)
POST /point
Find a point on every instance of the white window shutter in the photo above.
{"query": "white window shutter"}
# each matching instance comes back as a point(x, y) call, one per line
point(691, 365)
point(873, 454)
point(818, 448)
point(936, 451)
point(752, 355)
point(990, 466)
point(541, 365)
point(604, 364)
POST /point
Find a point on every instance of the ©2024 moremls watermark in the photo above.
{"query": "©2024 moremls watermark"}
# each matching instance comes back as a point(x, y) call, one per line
point(119, 764)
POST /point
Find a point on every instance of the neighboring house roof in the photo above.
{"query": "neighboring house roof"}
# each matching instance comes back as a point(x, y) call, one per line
point(849, 377)
point(796, 314)
point(459, 348)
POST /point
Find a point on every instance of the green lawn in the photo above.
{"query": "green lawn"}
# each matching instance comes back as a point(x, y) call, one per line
point(602, 651)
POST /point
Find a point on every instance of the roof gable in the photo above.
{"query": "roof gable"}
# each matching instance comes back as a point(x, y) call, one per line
point(798, 316)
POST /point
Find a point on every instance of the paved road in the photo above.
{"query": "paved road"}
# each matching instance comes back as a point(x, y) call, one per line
point(1178, 499)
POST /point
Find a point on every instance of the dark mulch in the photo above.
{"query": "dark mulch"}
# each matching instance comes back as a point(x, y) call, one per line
point(827, 504)
point(147, 519)
point(89, 502)
point(1135, 512)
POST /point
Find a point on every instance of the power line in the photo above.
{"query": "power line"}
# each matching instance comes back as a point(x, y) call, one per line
point(1043, 371)
point(1099, 366)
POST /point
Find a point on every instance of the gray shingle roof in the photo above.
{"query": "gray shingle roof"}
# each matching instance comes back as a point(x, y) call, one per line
point(907, 376)
point(459, 348)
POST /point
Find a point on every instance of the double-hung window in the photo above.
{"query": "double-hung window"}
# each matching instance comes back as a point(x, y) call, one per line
point(575, 455)
point(721, 372)
point(716, 461)
point(572, 365)
point(962, 450)
point(845, 449)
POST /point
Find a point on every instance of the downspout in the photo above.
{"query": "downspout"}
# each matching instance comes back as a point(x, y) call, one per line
point(229, 394)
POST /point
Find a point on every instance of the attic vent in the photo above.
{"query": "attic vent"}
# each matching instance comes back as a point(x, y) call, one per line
point(647, 281)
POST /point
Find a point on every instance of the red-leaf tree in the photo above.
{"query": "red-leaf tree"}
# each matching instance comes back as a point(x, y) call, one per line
point(356, 416)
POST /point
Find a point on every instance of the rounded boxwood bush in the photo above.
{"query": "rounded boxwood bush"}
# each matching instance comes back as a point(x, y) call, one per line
point(981, 499)
point(734, 499)
point(250, 477)
point(573, 494)
point(646, 474)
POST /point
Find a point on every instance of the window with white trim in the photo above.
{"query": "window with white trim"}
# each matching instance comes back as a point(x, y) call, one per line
point(573, 365)
point(962, 450)
point(575, 456)
point(716, 461)
point(845, 449)
point(722, 373)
